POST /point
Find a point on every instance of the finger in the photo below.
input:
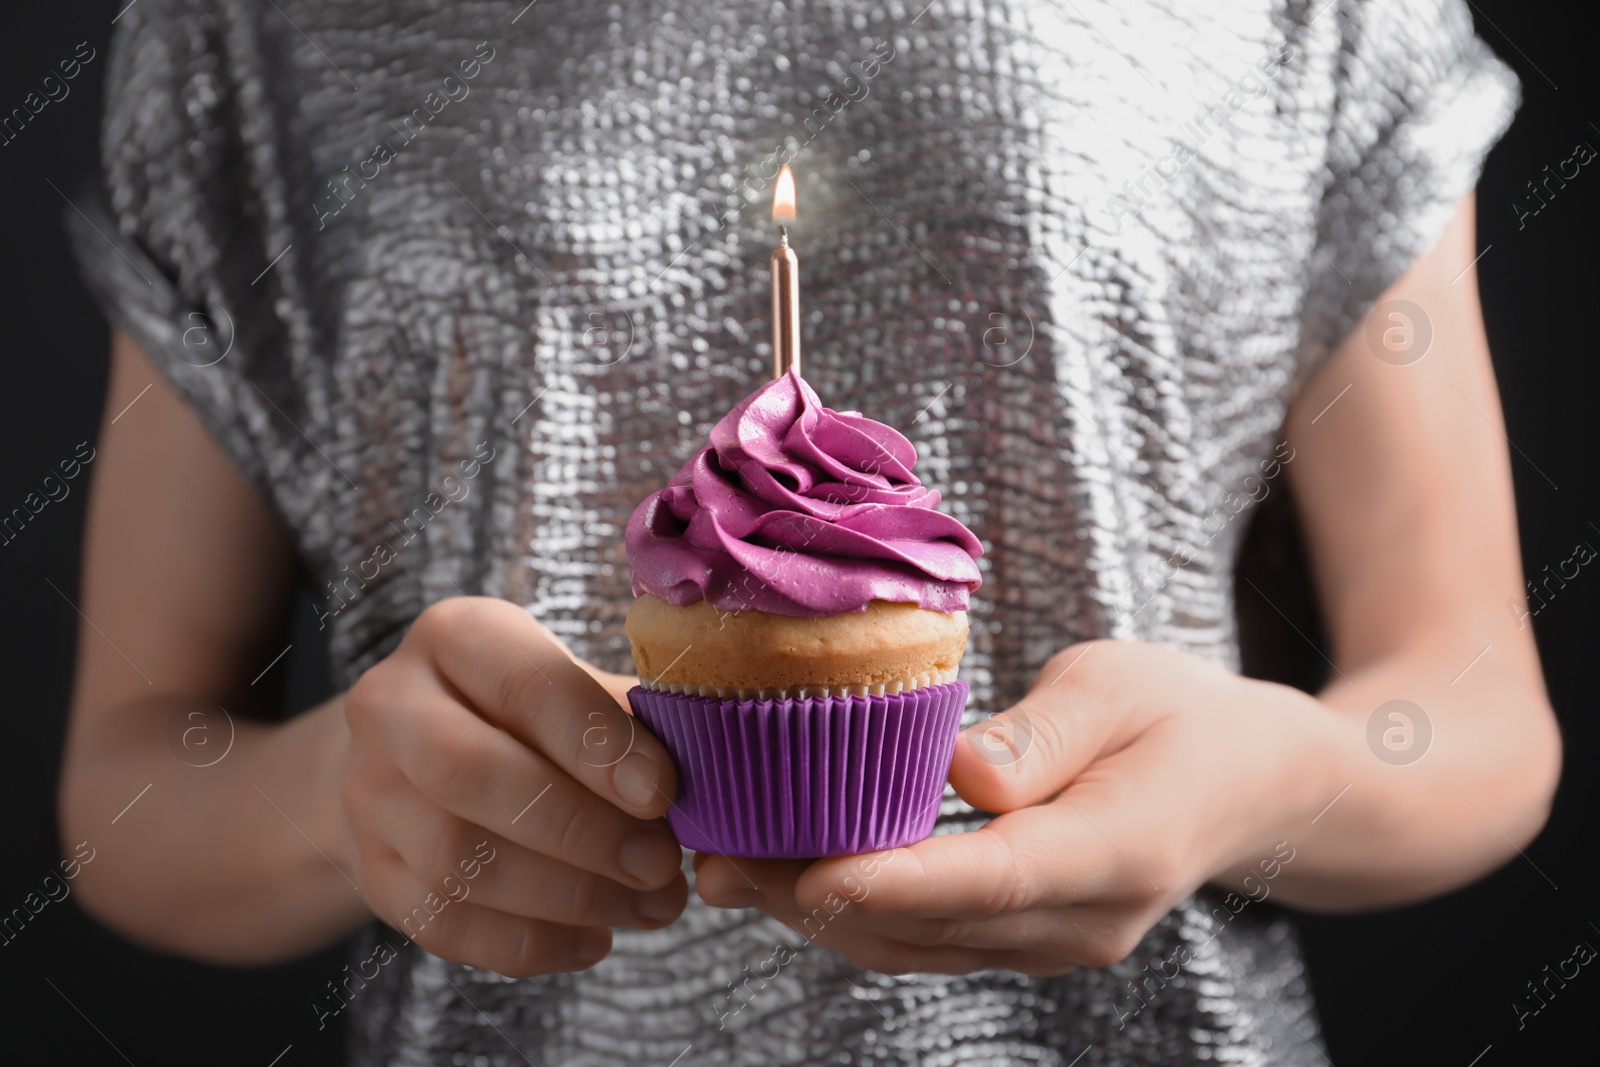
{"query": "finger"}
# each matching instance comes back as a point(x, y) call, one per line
point(1088, 935)
point(513, 673)
point(483, 775)
point(467, 932)
point(615, 684)
point(887, 955)
point(1084, 703)
point(727, 882)
point(1052, 940)
point(1043, 939)
point(1037, 857)
point(461, 860)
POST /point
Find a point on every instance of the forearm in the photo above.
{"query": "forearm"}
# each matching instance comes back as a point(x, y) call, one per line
point(1439, 811)
point(246, 860)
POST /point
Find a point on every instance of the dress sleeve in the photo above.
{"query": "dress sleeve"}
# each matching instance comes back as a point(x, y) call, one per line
point(1418, 100)
point(169, 237)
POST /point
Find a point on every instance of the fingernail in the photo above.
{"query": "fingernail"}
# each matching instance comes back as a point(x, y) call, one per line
point(636, 779)
point(992, 742)
point(660, 905)
point(650, 857)
point(592, 948)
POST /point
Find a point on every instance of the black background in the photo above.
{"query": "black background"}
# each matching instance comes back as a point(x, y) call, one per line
point(1430, 984)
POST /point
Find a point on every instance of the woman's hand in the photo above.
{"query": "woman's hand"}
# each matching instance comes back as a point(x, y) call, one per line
point(1128, 776)
point(505, 811)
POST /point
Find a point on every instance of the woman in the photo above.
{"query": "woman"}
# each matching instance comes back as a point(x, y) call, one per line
point(429, 299)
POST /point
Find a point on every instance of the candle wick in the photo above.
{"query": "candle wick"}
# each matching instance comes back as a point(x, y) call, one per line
point(783, 236)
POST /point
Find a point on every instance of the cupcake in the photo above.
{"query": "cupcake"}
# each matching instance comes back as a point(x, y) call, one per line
point(800, 614)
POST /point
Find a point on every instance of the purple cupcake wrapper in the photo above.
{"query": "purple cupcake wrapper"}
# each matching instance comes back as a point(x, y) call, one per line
point(820, 776)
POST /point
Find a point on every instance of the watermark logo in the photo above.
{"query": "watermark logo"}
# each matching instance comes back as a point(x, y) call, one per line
point(1542, 191)
point(55, 489)
point(200, 340)
point(200, 736)
point(53, 889)
point(1002, 342)
point(52, 89)
point(855, 88)
point(743, 990)
point(1399, 732)
point(1399, 332)
point(602, 745)
point(1138, 193)
point(1550, 981)
point(1152, 979)
point(608, 337)
point(1004, 739)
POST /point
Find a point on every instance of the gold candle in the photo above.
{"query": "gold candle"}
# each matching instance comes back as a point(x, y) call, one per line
point(785, 282)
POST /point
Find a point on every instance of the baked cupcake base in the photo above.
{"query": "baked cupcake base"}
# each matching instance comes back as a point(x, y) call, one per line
point(701, 650)
point(802, 777)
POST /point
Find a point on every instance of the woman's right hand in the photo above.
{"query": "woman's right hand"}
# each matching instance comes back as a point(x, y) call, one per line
point(505, 811)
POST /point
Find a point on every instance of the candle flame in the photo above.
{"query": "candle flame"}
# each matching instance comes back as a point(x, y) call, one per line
point(783, 196)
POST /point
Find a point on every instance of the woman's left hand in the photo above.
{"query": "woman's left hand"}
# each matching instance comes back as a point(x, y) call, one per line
point(1127, 777)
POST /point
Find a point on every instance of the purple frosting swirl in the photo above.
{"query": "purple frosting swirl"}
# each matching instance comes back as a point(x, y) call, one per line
point(795, 509)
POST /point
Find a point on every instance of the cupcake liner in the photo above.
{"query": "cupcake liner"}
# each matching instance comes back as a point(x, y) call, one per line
point(803, 777)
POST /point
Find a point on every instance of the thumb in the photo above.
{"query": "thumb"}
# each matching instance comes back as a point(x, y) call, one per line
point(615, 684)
point(1033, 750)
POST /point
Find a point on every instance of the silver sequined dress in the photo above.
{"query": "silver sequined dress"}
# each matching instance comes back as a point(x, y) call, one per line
point(1082, 253)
